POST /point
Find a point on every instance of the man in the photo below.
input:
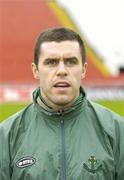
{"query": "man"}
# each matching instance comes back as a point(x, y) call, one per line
point(61, 135)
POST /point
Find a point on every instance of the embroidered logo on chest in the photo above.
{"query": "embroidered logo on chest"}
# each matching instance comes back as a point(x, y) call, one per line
point(92, 165)
point(25, 162)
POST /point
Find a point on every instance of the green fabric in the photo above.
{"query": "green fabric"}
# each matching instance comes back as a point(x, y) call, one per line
point(84, 142)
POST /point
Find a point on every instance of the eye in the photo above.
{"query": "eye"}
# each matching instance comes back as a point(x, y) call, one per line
point(50, 61)
point(71, 61)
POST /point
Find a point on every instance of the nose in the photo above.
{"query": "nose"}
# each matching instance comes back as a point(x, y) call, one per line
point(61, 70)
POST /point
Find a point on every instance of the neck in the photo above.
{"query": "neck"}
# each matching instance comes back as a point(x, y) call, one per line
point(48, 105)
point(55, 108)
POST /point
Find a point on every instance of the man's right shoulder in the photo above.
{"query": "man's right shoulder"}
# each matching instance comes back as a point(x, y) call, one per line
point(14, 119)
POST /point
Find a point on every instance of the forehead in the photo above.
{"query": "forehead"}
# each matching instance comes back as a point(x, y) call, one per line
point(63, 48)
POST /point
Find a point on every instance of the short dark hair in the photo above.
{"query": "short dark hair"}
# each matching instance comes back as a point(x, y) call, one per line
point(58, 35)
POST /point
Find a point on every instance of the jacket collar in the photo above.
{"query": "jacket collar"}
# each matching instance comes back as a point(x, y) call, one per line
point(42, 106)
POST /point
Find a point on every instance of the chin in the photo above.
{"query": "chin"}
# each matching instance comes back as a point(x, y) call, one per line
point(63, 101)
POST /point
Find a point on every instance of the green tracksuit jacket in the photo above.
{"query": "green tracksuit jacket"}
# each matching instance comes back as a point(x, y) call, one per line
point(85, 142)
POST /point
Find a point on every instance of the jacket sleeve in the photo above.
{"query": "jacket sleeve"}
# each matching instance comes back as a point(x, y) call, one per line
point(120, 149)
point(4, 152)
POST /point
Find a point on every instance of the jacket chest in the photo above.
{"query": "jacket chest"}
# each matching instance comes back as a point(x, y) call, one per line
point(64, 152)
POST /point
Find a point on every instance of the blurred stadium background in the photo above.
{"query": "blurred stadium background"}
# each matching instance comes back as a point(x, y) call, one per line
point(21, 22)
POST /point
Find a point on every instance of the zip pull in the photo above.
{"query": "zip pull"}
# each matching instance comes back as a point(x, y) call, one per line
point(62, 122)
point(60, 112)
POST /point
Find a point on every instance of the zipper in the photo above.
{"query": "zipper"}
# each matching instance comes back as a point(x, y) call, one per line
point(63, 157)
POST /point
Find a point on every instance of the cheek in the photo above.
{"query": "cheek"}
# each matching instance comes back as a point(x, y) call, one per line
point(42, 78)
point(45, 80)
point(78, 75)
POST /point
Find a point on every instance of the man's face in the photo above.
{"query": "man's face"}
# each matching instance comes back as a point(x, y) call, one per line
point(59, 71)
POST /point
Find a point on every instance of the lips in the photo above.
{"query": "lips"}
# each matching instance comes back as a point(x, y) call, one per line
point(62, 84)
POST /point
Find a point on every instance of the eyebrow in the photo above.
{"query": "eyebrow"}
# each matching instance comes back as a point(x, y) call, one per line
point(65, 59)
point(57, 58)
point(72, 57)
point(51, 58)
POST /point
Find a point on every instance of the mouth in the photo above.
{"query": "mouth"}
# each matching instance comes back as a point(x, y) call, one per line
point(61, 85)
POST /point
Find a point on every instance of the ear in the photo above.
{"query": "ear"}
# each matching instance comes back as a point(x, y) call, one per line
point(35, 71)
point(84, 69)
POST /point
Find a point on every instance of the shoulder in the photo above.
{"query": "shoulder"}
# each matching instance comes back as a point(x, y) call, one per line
point(108, 119)
point(103, 112)
point(15, 120)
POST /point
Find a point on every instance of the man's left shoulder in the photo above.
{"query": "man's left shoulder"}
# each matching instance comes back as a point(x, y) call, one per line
point(105, 115)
